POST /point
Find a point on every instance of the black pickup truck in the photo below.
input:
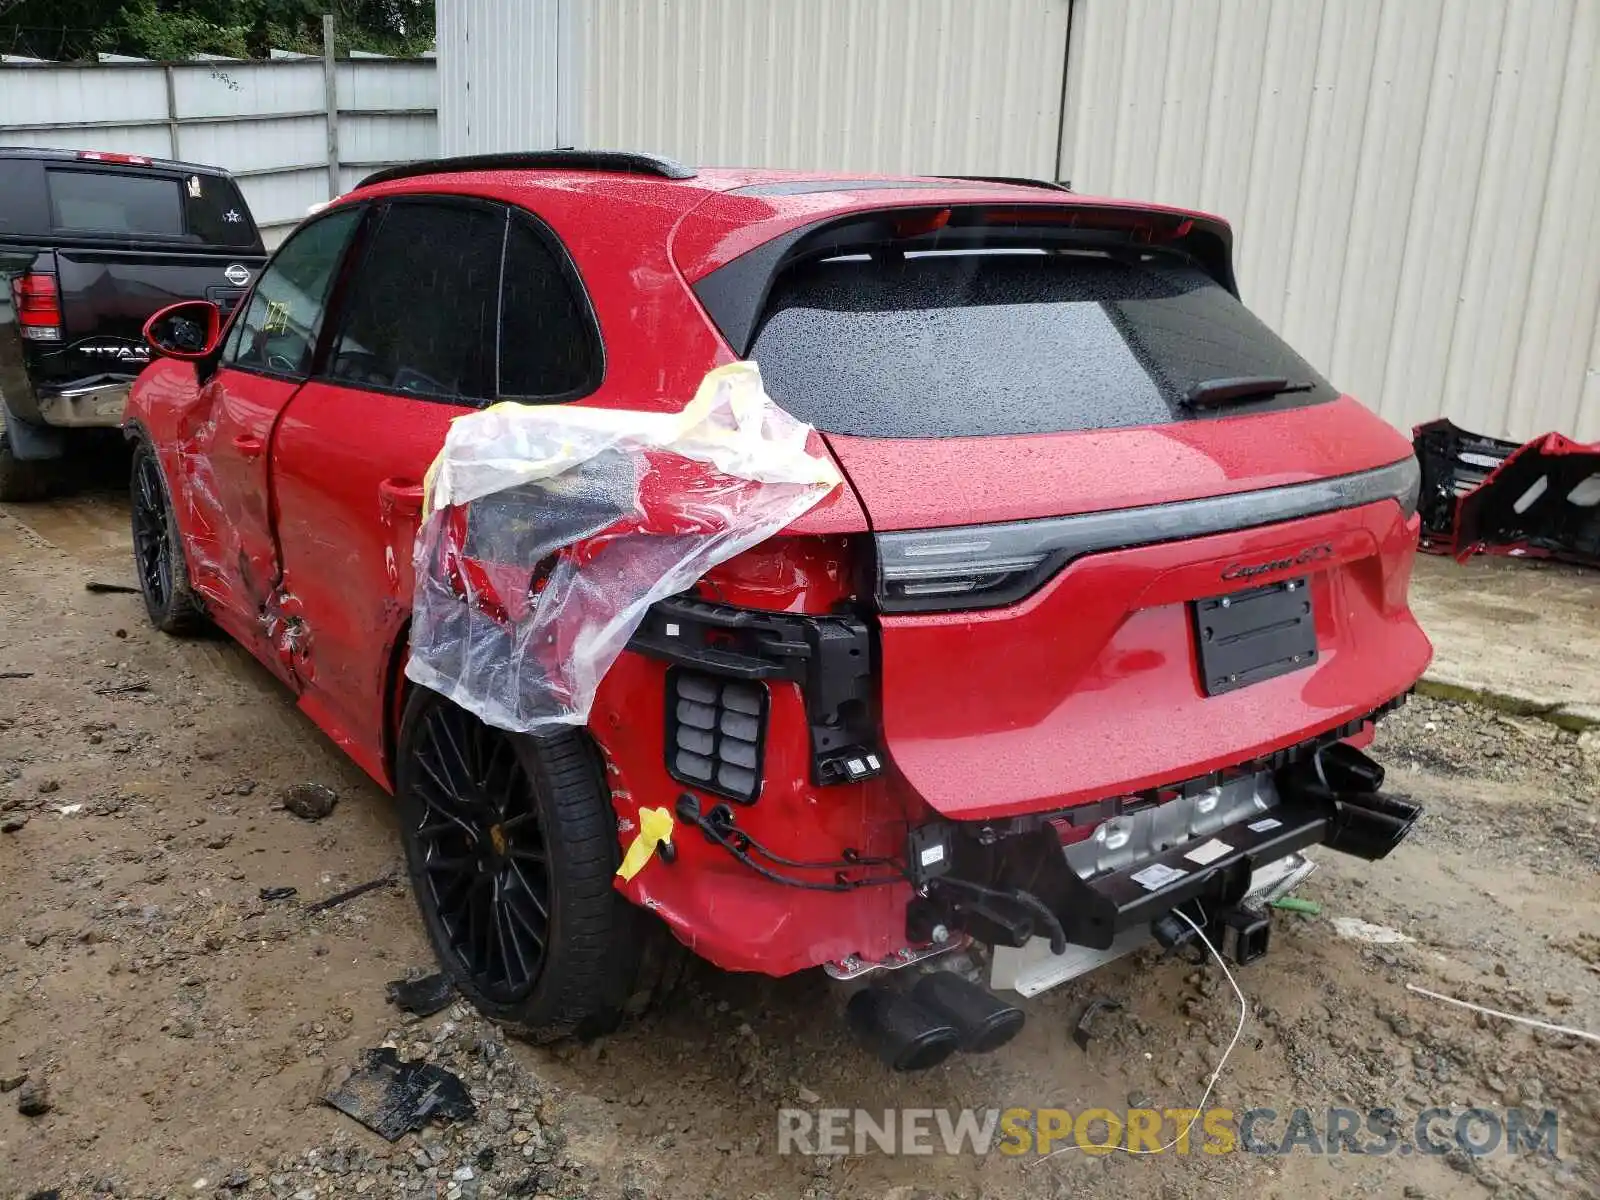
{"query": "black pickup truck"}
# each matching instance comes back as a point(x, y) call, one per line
point(91, 244)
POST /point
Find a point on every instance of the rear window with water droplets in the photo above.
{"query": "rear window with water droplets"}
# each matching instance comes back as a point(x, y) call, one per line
point(964, 344)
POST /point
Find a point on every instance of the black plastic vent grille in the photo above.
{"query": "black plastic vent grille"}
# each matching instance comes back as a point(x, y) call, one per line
point(716, 731)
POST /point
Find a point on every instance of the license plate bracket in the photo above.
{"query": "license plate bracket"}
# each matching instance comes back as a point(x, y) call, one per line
point(1251, 636)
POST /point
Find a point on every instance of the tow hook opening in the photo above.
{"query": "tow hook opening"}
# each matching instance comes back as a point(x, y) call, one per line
point(1241, 934)
point(1245, 935)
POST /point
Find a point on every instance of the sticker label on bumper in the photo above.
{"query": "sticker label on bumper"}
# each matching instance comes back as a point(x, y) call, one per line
point(1156, 876)
point(1263, 825)
point(1209, 852)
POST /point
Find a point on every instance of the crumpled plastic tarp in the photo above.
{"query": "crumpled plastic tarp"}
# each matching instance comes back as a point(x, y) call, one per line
point(548, 531)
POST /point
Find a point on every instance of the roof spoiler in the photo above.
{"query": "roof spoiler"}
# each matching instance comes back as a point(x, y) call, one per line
point(563, 158)
point(735, 294)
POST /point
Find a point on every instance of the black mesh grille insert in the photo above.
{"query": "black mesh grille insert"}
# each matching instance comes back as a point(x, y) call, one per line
point(715, 732)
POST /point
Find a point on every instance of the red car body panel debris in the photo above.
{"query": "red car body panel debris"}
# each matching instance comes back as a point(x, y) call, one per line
point(1539, 499)
point(1077, 697)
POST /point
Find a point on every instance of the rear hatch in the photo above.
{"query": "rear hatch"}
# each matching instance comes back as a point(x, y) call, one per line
point(1125, 536)
point(129, 236)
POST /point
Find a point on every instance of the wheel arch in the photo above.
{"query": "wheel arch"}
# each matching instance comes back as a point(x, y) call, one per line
point(396, 691)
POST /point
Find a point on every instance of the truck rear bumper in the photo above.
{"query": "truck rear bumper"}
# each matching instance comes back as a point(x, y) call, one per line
point(93, 406)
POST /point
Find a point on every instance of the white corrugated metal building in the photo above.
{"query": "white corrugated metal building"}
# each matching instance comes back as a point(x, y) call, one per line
point(1414, 184)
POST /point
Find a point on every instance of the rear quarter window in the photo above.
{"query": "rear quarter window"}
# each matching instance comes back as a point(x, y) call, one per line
point(548, 345)
point(995, 343)
point(195, 207)
point(105, 202)
point(217, 213)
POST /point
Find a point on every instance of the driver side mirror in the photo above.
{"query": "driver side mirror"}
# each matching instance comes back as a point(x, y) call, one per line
point(188, 330)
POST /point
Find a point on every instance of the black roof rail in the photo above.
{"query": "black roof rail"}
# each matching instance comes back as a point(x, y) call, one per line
point(625, 162)
point(1015, 180)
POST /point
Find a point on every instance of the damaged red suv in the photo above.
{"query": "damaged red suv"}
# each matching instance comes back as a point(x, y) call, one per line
point(1082, 652)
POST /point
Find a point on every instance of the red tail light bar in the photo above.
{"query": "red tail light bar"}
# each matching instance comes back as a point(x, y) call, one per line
point(1146, 225)
point(38, 306)
point(137, 160)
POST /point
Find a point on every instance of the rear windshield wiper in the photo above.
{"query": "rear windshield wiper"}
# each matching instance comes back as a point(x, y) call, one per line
point(1213, 393)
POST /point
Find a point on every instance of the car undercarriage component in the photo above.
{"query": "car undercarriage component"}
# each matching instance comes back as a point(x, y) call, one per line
point(1031, 969)
point(1245, 934)
point(854, 966)
point(912, 1030)
point(1152, 857)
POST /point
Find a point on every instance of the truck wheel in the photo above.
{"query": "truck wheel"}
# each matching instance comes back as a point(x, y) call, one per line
point(158, 549)
point(21, 480)
point(511, 845)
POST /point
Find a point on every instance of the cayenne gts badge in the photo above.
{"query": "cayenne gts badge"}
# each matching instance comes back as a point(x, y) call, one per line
point(1310, 554)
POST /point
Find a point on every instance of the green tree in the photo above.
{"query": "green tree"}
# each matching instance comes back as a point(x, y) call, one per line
point(176, 29)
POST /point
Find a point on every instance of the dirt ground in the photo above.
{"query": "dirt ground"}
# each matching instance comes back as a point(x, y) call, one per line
point(181, 1025)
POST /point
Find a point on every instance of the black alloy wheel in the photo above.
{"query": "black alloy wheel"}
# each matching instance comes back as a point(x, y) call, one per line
point(152, 551)
point(158, 560)
point(484, 861)
point(512, 847)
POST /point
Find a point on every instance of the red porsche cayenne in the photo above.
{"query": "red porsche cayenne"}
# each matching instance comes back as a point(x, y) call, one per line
point(1082, 652)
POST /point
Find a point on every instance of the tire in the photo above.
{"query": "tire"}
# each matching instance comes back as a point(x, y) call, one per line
point(22, 481)
point(511, 839)
point(158, 559)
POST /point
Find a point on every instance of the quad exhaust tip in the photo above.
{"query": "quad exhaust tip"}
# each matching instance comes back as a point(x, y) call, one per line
point(919, 1029)
point(1363, 821)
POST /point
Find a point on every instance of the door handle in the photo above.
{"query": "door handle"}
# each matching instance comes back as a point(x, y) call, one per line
point(248, 445)
point(400, 496)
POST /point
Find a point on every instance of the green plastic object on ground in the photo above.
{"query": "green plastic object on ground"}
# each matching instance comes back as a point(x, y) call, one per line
point(1294, 904)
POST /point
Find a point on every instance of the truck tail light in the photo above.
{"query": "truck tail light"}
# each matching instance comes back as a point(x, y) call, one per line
point(38, 306)
point(136, 160)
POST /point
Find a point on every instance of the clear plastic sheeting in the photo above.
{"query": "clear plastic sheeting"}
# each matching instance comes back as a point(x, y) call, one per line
point(549, 531)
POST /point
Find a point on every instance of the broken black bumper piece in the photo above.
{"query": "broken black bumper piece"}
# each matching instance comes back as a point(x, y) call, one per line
point(394, 1098)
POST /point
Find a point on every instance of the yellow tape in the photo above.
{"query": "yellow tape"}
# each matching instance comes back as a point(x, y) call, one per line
point(655, 827)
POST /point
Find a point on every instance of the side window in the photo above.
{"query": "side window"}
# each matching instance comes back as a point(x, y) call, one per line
point(421, 312)
point(217, 213)
point(113, 202)
point(548, 345)
point(278, 332)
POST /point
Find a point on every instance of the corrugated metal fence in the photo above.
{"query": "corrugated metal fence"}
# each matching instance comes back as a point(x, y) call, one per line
point(1413, 183)
point(267, 122)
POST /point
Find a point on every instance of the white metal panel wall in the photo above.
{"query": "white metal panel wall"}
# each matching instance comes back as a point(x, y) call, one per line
point(499, 67)
point(856, 85)
point(1412, 183)
point(264, 121)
